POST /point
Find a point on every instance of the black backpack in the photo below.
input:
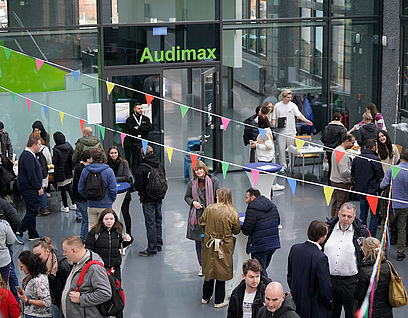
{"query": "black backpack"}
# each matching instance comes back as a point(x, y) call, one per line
point(94, 186)
point(156, 186)
point(43, 164)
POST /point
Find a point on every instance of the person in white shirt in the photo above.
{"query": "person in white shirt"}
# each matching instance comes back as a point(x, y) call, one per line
point(343, 248)
point(284, 119)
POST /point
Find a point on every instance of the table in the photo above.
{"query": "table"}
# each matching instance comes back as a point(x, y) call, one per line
point(123, 187)
point(265, 180)
point(240, 250)
point(306, 150)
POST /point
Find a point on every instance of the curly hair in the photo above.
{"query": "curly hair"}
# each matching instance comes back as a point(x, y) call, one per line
point(33, 263)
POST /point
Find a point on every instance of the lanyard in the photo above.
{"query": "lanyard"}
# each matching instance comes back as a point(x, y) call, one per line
point(138, 122)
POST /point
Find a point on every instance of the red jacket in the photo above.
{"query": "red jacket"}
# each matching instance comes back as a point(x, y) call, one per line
point(8, 305)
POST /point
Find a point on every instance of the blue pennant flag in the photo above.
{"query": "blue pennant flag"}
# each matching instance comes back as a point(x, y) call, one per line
point(144, 145)
point(292, 184)
point(262, 132)
point(75, 74)
point(45, 110)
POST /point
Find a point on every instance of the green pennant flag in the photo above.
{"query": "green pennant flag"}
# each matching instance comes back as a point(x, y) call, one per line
point(7, 51)
point(12, 96)
point(395, 170)
point(183, 110)
point(102, 129)
point(224, 169)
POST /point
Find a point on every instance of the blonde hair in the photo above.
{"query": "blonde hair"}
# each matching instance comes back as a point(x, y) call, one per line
point(367, 116)
point(284, 93)
point(224, 196)
point(371, 247)
point(45, 243)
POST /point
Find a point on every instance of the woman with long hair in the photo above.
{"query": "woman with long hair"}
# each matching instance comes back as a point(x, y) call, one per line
point(35, 294)
point(220, 221)
point(387, 151)
point(8, 304)
point(38, 128)
point(200, 193)
point(376, 118)
point(120, 167)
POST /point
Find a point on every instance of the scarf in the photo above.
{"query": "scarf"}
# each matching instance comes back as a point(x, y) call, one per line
point(209, 199)
point(25, 280)
point(114, 164)
point(52, 264)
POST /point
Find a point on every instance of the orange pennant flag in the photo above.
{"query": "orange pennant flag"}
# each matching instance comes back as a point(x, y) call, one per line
point(339, 155)
point(372, 202)
point(194, 158)
point(149, 99)
point(82, 123)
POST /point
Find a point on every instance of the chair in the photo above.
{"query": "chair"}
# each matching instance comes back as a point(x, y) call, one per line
point(399, 148)
point(306, 156)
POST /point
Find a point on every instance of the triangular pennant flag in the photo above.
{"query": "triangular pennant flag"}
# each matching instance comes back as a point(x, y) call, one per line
point(299, 143)
point(39, 63)
point(144, 145)
point(262, 132)
point(225, 166)
point(7, 51)
point(75, 74)
point(183, 110)
point(149, 99)
point(395, 170)
point(225, 122)
point(255, 174)
point(292, 184)
point(193, 158)
point(122, 138)
point(45, 110)
point(169, 153)
point(82, 123)
point(12, 97)
point(339, 155)
point(28, 103)
point(109, 86)
point(372, 202)
point(328, 192)
point(102, 129)
point(62, 117)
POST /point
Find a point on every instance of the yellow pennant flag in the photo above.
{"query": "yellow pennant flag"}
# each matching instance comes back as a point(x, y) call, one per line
point(109, 86)
point(328, 192)
point(169, 153)
point(62, 117)
point(299, 143)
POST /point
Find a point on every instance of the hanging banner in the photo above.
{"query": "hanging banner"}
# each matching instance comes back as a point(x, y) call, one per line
point(122, 112)
point(94, 113)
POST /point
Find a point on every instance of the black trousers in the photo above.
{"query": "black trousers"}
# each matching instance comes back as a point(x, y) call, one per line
point(343, 295)
point(208, 288)
point(136, 157)
point(126, 215)
point(67, 188)
point(32, 202)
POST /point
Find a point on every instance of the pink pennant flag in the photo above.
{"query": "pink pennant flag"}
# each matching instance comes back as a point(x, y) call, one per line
point(255, 174)
point(122, 138)
point(39, 63)
point(339, 155)
point(225, 122)
point(28, 103)
point(149, 99)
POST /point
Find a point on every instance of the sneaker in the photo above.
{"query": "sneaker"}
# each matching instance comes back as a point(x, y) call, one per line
point(43, 212)
point(72, 207)
point(277, 187)
point(203, 301)
point(146, 253)
point(35, 238)
point(48, 195)
point(19, 239)
point(223, 304)
point(159, 248)
point(400, 257)
point(200, 272)
point(78, 220)
point(65, 209)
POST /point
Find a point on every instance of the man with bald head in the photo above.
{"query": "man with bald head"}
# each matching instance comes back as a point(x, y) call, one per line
point(86, 142)
point(343, 248)
point(277, 303)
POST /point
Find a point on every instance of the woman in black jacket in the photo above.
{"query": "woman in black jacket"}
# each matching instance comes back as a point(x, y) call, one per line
point(122, 173)
point(62, 160)
point(381, 305)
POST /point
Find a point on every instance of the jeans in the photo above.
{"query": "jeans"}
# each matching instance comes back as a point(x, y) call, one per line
point(153, 222)
point(208, 288)
point(5, 272)
point(43, 198)
point(364, 208)
point(82, 211)
point(198, 251)
point(56, 313)
point(401, 217)
point(29, 222)
point(264, 258)
point(13, 281)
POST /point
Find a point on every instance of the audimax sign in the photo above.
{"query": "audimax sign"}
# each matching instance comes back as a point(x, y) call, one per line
point(176, 54)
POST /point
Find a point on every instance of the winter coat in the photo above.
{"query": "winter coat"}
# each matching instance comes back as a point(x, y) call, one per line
point(123, 174)
point(381, 304)
point(220, 222)
point(195, 234)
point(141, 177)
point(261, 225)
point(333, 134)
point(57, 281)
point(10, 214)
point(75, 181)
point(237, 298)
point(367, 174)
point(287, 310)
point(84, 143)
point(6, 171)
point(6, 147)
point(62, 160)
point(142, 131)
point(367, 131)
point(29, 172)
point(109, 181)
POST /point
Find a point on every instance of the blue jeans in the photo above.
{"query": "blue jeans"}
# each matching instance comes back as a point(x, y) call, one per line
point(55, 311)
point(43, 198)
point(364, 208)
point(5, 272)
point(153, 222)
point(264, 258)
point(83, 212)
point(13, 281)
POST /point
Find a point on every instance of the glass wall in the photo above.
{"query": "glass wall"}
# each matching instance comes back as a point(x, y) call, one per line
point(404, 101)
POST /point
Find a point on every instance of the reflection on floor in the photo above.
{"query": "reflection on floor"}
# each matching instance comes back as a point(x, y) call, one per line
point(167, 285)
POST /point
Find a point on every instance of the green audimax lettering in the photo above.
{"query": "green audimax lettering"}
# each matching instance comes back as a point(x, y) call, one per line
point(175, 54)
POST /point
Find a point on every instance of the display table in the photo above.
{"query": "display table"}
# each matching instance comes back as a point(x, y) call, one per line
point(306, 150)
point(240, 252)
point(123, 187)
point(265, 180)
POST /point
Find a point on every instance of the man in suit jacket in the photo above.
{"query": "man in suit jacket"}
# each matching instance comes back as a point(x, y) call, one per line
point(309, 276)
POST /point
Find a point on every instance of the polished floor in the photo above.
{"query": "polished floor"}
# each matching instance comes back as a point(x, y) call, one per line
point(167, 285)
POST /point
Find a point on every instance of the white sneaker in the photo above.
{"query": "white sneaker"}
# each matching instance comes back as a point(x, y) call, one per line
point(48, 195)
point(203, 301)
point(277, 187)
point(200, 273)
point(72, 207)
point(223, 304)
point(65, 209)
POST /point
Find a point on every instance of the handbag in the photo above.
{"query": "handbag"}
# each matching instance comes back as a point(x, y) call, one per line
point(397, 294)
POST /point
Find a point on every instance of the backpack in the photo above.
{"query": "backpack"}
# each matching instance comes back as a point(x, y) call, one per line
point(94, 186)
point(43, 163)
point(116, 303)
point(156, 186)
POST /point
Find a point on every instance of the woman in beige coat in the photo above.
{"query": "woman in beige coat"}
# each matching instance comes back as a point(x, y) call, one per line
point(220, 220)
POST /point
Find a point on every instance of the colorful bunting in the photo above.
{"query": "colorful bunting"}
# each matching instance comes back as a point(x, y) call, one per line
point(225, 122)
point(144, 145)
point(62, 117)
point(255, 174)
point(372, 202)
point(299, 143)
point(28, 103)
point(395, 170)
point(12, 97)
point(39, 63)
point(225, 166)
point(339, 155)
point(328, 192)
point(45, 110)
point(149, 99)
point(169, 153)
point(102, 129)
point(7, 51)
point(75, 74)
point(109, 86)
point(184, 110)
point(193, 158)
point(292, 184)
point(122, 138)
point(262, 132)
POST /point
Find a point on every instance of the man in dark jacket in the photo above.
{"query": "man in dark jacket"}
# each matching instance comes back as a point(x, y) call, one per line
point(86, 142)
point(139, 126)
point(247, 298)
point(277, 303)
point(261, 225)
point(29, 183)
point(6, 147)
point(369, 130)
point(308, 274)
point(367, 175)
point(151, 204)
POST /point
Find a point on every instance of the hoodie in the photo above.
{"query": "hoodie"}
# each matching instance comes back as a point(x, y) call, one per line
point(367, 131)
point(109, 181)
point(333, 134)
point(84, 143)
point(287, 310)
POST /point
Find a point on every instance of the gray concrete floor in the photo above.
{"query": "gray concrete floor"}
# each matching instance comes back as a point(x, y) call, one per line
point(167, 285)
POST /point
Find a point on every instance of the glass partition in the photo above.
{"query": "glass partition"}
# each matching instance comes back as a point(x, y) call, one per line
point(404, 101)
point(341, 8)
